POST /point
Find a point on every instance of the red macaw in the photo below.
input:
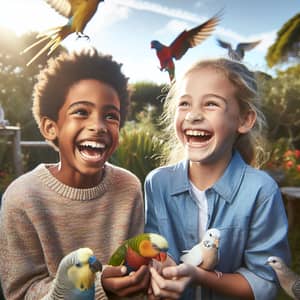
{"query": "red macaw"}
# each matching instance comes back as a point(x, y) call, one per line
point(79, 12)
point(185, 40)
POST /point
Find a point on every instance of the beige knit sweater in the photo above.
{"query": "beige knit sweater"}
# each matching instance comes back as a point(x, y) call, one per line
point(42, 220)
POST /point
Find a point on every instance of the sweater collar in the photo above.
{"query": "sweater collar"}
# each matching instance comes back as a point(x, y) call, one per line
point(79, 194)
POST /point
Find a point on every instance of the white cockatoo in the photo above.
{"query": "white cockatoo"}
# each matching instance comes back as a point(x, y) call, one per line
point(289, 280)
point(205, 254)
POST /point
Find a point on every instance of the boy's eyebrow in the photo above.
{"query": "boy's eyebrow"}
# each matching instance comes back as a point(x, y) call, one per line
point(84, 102)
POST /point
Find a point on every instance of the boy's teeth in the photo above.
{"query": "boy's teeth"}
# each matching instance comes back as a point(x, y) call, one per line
point(92, 144)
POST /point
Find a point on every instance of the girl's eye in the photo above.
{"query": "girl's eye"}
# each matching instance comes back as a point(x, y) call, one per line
point(183, 104)
point(211, 104)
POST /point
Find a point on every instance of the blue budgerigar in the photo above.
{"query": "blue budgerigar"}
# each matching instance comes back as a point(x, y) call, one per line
point(75, 276)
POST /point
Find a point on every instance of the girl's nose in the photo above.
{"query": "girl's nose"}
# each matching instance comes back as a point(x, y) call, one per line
point(193, 117)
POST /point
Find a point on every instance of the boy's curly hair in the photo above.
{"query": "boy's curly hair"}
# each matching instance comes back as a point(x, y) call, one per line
point(62, 72)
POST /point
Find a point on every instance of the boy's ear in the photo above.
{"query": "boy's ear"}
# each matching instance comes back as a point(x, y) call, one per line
point(48, 129)
point(247, 122)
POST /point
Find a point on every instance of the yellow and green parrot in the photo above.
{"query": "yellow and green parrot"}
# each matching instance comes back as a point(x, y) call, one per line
point(75, 278)
point(140, 250)
point(78, 12)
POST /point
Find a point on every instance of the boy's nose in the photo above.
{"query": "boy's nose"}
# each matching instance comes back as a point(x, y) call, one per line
point(194, 116)
point(97, 126)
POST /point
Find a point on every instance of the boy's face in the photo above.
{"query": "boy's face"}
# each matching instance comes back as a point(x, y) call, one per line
point(87, 131)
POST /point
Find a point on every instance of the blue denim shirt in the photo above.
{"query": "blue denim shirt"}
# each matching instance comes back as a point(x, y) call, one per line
point(245, 204)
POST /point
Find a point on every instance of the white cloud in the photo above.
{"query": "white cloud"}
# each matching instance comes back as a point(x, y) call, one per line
point(161, 9)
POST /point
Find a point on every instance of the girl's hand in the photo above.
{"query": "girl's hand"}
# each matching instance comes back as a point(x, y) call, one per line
point(114, 280)
point(173, 281)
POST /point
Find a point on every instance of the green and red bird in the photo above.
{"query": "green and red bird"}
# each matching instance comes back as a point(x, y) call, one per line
point(185, 40)
point(140, 250)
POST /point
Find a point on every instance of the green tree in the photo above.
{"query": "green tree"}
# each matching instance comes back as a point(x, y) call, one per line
point(281, 105)
point(147, 97)
point(287, 44)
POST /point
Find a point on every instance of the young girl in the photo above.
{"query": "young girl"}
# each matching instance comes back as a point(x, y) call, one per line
point(218, 124)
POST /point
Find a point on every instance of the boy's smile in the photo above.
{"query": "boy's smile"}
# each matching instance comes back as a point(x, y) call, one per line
point(87, 131)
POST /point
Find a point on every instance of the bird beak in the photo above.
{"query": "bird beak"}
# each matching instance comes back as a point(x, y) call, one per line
point(95, 264)
point(161, 256)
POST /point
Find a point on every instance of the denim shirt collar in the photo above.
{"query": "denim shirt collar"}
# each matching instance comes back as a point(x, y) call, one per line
point(227, 185)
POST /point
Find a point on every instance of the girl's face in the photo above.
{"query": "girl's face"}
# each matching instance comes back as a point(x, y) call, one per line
point(208, 119)
point(87, 131)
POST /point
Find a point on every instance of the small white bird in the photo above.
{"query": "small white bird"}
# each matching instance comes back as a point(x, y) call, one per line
point(205, 254)
point(3, 122)
point(239, 52)
point(289, 280)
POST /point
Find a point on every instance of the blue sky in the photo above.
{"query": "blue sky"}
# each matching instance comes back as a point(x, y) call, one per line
point(125, 28)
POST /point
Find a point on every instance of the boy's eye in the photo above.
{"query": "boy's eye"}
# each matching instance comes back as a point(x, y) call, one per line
point(112, 116)
point(80, 112)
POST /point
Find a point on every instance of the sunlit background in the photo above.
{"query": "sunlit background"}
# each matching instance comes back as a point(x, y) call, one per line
point(124, 28)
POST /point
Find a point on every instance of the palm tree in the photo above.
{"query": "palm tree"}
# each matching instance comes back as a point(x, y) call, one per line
point(286, 47)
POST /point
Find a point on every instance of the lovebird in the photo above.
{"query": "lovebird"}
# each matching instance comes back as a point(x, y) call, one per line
point(185, 40)
point(288, 279)
point(205, 254)
point(239, 52)
point(75, 276)
point(139, 250)
point(78, 12)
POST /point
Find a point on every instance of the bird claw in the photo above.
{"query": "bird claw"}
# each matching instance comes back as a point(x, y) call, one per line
point(218, 273)
point(81, 35)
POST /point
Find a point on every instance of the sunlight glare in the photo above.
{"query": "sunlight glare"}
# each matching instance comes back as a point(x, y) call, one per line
point(31, 15)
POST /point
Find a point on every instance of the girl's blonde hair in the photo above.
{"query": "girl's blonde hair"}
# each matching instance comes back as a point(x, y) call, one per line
point(250, 145)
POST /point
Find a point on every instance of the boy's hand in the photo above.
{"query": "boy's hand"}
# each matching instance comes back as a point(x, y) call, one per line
point(114, 280)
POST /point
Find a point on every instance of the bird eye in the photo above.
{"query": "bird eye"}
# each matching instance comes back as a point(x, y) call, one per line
point(78, 265)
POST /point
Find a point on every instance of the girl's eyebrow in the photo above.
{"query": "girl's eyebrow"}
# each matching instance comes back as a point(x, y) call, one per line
point(88, 103)
point(225, 100)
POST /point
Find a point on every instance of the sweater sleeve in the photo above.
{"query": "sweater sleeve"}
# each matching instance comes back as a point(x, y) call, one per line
point(23, 270)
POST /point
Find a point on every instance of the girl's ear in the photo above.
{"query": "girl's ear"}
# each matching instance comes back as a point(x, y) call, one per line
point(48, 129)
point(247, 121)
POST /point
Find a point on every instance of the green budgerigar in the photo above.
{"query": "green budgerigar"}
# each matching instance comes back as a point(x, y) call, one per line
point(140, 250)
point(75, 276)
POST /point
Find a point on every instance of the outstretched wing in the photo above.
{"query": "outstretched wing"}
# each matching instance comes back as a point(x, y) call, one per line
point(193, 37)
point(224, 44)
point(246, 46)
point(63, 7)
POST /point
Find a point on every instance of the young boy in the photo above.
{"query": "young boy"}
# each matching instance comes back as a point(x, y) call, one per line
point(80, 102)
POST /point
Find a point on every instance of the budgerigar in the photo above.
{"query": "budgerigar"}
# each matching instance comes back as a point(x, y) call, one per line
point(78, 12)
point(205, 254)
point(75, 276)
point(139, 250)
point(239, 52)
point(185, 40)
point(289, 280)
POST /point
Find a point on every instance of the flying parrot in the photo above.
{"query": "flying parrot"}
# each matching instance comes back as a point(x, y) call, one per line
point(78, 12)
point(75, 276)
point(205, 254)
point(288, 279)
point(185, 40)
point(239, 52)
point(139, 250)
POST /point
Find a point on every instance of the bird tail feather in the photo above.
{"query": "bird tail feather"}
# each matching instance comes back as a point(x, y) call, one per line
point(54, 35)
